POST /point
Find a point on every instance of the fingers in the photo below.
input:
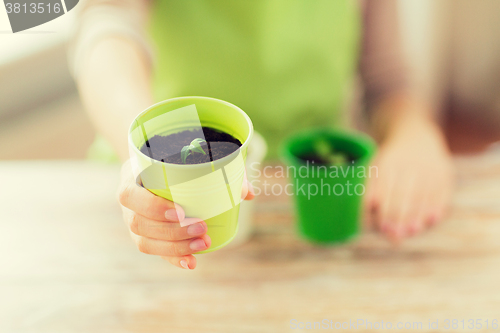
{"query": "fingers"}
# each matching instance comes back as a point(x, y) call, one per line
point(384, 201)
point(247, 191)
point(404, 201)
point(419, 224)
point(153, 224)
point(422, 210)
point(170, 231)
point(371, 201)
point(186, 262)
point(370, 205)
point(438, 206)
point(169, 248)
point(145, 203)
point(406, 209)
point(395, 204)
point(399, 214)
point(168, 239)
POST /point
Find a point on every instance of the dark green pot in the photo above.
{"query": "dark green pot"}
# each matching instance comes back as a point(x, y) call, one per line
point(328, 199)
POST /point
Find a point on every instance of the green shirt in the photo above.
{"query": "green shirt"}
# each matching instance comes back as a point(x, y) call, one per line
point(287, 63)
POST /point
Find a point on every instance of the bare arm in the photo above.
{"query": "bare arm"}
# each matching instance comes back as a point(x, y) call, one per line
point(415, 174)
point(388, 94)
point(115, 87)
point(112, 66)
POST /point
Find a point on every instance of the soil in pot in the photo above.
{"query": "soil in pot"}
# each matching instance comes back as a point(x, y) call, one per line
point(323, 153)
point(168, 148)
point(315, 159)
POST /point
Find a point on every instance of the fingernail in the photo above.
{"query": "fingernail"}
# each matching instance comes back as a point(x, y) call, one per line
point(198, 245)
point(433, 220)
point(250, 188)
point(174, 215)
point(184, 264)
point(196, 229)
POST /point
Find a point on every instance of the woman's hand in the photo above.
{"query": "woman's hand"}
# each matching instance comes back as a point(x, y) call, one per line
point(153, 223)
point(415, 179)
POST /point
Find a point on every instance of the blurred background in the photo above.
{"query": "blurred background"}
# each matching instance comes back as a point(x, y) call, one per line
point(41, 116)
point(453, 47)
point(67, 262)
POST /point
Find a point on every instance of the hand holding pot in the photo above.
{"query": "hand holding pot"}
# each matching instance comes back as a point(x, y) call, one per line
point(153, 223)
point(413, 191)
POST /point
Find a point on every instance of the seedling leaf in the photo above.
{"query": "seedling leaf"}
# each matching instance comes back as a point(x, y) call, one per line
point(185, 153)
point(195, 144)
point(323, 148)
point(326, 151)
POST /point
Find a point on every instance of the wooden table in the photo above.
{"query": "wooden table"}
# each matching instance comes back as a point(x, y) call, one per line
point(67, 265)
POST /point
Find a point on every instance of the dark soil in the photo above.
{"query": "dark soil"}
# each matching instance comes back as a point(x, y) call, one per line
point(316, 160)
point(168, 148)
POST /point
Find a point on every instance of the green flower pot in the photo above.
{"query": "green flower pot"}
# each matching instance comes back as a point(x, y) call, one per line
point(210, 191)
point(328, 199)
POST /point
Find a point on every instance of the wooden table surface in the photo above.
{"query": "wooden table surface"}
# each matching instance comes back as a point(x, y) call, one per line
point(67, 265)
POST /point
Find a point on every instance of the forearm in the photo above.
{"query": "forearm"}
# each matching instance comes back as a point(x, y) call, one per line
point(389, 97)
point(402, 116)
point(395, 110)
point(114, 85)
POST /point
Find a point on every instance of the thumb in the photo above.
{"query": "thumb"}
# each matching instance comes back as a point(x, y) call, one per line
point(247, 192)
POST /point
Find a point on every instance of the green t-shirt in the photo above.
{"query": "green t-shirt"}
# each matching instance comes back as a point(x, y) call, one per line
point(288, 63)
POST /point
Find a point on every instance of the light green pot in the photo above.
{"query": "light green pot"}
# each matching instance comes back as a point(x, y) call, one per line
point(209, 191)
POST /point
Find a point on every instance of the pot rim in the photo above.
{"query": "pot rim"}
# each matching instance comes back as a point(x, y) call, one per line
point(354, 136)
point(187, 166)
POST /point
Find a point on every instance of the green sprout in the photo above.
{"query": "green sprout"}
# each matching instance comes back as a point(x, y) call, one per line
point(326, 152)
point(194, 146)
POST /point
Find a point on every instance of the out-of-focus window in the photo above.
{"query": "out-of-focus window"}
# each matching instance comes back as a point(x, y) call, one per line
point(33, 66)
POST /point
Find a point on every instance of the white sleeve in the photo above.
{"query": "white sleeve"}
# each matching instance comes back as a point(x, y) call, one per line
point(99, 19)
